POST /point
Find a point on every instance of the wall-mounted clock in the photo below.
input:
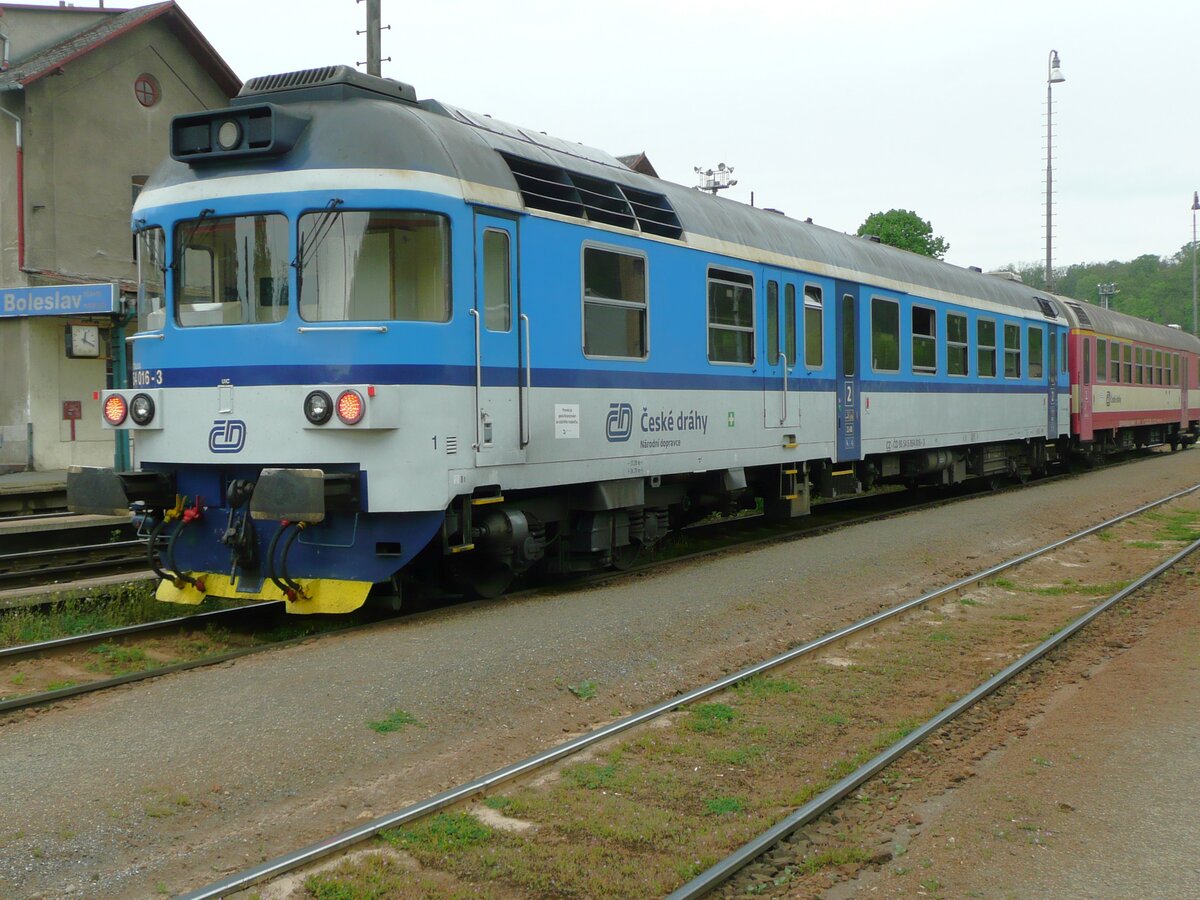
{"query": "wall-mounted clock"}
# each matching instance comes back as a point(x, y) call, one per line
point(83, 341)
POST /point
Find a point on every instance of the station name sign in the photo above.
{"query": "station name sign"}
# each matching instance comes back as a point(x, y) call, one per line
point(58, 300)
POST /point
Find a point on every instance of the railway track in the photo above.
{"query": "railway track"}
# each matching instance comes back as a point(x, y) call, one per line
point(717, 536)
point(716, 875)
point(41, 568)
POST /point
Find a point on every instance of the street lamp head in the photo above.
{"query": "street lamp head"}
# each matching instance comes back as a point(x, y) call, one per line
point(1195, 201)
point(1056, 75)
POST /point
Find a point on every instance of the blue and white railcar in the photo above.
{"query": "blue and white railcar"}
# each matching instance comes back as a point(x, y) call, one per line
point(379, 335)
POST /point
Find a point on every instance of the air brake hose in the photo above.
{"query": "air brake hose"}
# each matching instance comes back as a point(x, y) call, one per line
point(197, 583)
point(294, 588)
point(284, 525)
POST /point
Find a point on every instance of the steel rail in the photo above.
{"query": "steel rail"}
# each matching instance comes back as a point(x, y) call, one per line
point(62, 551)
point(706, 881)
point(294, 860)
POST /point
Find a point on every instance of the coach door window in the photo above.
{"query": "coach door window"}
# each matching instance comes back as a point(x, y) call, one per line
point(1175, 369)
point(1012, 351)
point(773, 322)
point(985, 339)
point(885, 335)
point(849, 334)
point(1101, 360)
point(497, 299)
point(789, 323)
point(730, 317)
point(231, 270)
point(152, 267)
point(1036, 363)
point(956, 344)
point(1087, 361)
point(1062, 357)
point(376, 265)
point(814, 327)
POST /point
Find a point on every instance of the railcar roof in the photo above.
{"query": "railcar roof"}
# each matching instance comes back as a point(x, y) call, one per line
point(1110, 322)
point(359, 129)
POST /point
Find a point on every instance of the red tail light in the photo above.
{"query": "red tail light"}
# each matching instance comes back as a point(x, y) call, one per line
point(115, 409)
point(350, 407)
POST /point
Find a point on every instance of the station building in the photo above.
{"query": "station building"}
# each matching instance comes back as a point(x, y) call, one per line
point(86, 98)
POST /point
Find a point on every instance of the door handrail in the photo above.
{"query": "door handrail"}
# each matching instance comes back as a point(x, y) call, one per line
point(478, 379)
point(783, 356)
point(527, 408)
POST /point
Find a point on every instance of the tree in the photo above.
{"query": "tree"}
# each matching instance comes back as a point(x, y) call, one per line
point(904, 229)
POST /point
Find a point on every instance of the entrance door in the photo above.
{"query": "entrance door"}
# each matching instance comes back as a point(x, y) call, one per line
point(1085, 387)
point(1052, 389)
point(849, 438)
point(781, 399)
point(497, 319)
point(1185, 377)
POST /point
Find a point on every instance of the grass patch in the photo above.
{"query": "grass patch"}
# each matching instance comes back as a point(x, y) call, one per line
point(761, 686)
point(710, 717)
point(397, 721)
point(735, 756)
point(940, 636)
point(113, 659)
point(445, 833)
point(723, 806)
point(1179, 527)
point(585, 690)
point(1146, 545)
point(592, 776)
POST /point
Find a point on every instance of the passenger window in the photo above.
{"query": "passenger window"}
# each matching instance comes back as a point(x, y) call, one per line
point(497, 281)
point(374, 265)
point(1137, 365)
point(730, 317)
point(1115, 362)
point(614, 304)
point(924, 340)
point(773, 322)
point(956, 344)
point(1158, 372)
point(885, 335)
point(789, 323)
point(814, 327)
point(985, 339)
point(1101, 361)
point(1012, 351)
point(1036, 363)
point(1127, 356)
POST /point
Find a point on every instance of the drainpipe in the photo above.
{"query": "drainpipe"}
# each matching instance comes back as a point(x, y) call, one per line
point(20, 188)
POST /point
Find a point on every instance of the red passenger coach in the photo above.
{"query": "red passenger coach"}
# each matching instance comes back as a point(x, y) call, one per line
point(1133, 383)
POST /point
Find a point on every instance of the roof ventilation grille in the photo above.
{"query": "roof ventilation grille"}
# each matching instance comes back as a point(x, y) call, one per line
point(553, 189)
point(1083, 317)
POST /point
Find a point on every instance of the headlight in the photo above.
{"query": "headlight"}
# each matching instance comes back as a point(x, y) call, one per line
point(350, 407)
point(318, 407)
point(141, 409)
point(114, 409)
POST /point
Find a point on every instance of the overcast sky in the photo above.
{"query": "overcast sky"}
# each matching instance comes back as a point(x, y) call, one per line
point(830, 109)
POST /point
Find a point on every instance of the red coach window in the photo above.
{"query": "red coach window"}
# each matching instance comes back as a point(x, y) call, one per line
point(146, 89)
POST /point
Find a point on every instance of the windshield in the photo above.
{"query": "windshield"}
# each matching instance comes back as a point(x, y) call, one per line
point(231, 270)
point(389, 265)
point(151, 258)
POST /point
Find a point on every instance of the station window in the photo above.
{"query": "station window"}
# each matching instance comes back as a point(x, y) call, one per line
point(1114, 364)
point(789, 323)
point(1012, 351)
point(773, 322)
point(924, 340)
point(985, 339)
point(374, 265)
point(497, 281)
point(885, 335)
point(730, 317)
point(814, 327)
point(1127, 357)
point(956, 344)
point(614, 304)
point(1036, 361)
point(231, 270)
point(152, 269)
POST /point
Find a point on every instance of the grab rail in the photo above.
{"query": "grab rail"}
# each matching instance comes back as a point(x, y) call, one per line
point(526, 409)
point(478, 380)
point(783, 356)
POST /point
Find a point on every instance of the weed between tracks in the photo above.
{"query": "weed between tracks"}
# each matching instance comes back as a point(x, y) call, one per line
point(647, 811)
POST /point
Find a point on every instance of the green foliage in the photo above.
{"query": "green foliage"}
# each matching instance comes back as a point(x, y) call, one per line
point(903, 228)
point(394, 722)
point(1157, 288)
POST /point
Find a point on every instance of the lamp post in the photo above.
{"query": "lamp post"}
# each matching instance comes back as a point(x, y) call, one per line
point(1053, 76)
point(1195, 207)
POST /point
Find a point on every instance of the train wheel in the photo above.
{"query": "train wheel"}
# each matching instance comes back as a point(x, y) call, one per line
point(486, 580)
point(624, 557)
